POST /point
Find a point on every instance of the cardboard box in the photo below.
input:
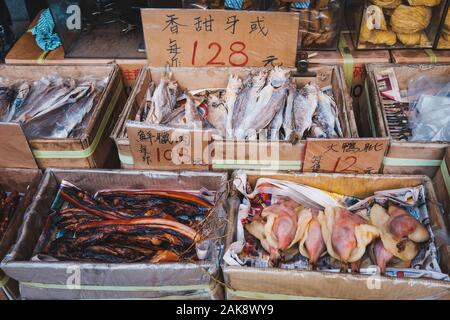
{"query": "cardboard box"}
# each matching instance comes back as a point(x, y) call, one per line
point(242, 154)
point(420, 56)
point(274, 283)
point(26, 51)
point(442, 186)
point(353, 63)
point(48, 280)
point(26, 182)
point(92, 149)
point(403, 157)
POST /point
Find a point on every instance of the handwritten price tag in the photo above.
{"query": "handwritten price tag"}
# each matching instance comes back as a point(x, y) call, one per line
point(165, 149)
point(345, 155)
point(194, 38)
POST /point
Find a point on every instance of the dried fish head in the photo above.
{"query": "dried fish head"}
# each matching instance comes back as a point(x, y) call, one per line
point(259, 80)
point(278, 77)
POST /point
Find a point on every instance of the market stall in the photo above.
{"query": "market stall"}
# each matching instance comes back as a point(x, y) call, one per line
point(227, 150)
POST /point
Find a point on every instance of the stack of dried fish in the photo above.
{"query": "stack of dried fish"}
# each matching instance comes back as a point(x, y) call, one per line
point(8, 205)
point(123, 226)
point(265, 105)
point(52, 107)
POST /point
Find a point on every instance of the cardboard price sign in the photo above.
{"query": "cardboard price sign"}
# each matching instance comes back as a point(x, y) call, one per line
point(195, 38)
point(169, 148)
point(345, 155)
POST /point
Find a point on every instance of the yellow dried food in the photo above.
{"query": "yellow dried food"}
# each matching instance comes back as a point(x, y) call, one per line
point(387, 4)
point(407, 19)
point(428, 3)
point(447, 22)
point(383, 37)
point(412, 39)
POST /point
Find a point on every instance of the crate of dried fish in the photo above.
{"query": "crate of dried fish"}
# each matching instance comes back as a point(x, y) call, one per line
point(65, 112)
point(389, 24)
point(410, 105)
point(98, 234)
point(17, 188)
point(244, 115)
point(442, 183)
point(335, 236)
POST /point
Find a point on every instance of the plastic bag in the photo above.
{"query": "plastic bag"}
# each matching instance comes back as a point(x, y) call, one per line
point(429, 99)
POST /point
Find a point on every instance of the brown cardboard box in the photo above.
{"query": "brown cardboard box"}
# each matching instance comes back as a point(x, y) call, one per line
point(291, 156)
point(420, 56)
point(92, 149)
point(403, 157)
point(26, 51)
point(274, 283)
point(442, 186)
point(353, 63)
point(178, 280)
point(26, 182)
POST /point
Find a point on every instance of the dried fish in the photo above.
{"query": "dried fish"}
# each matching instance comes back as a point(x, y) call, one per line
point(275, 125)
point(56, 95)
point(23, 91)
point(233, 88)
point(217, 113)
point(6, 99)
point(305, 104)
point(326, 116)
point(271, 99)
point(163, 100)
point(193, 117)
point(288, 118)
point(246, 100)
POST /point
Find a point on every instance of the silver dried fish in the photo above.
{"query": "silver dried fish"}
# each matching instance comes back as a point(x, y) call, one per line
point(326, 116)
point(305, 104)
point(271, 99)
point(246, 100)
point(233, 88)
point(217, 113)
point(288, 119)
point(163, 100)
point(6, 99)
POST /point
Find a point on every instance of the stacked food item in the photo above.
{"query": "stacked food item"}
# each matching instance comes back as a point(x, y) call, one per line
point(294, 226)
point(123, 225)
point(8, 204)
point(267, 105)
point(51, 107)
point(390, 22)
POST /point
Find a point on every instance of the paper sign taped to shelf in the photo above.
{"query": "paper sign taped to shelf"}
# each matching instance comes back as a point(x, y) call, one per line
point(195, 38)
point(14, 149)
point(169, 148)
point(345, 155)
